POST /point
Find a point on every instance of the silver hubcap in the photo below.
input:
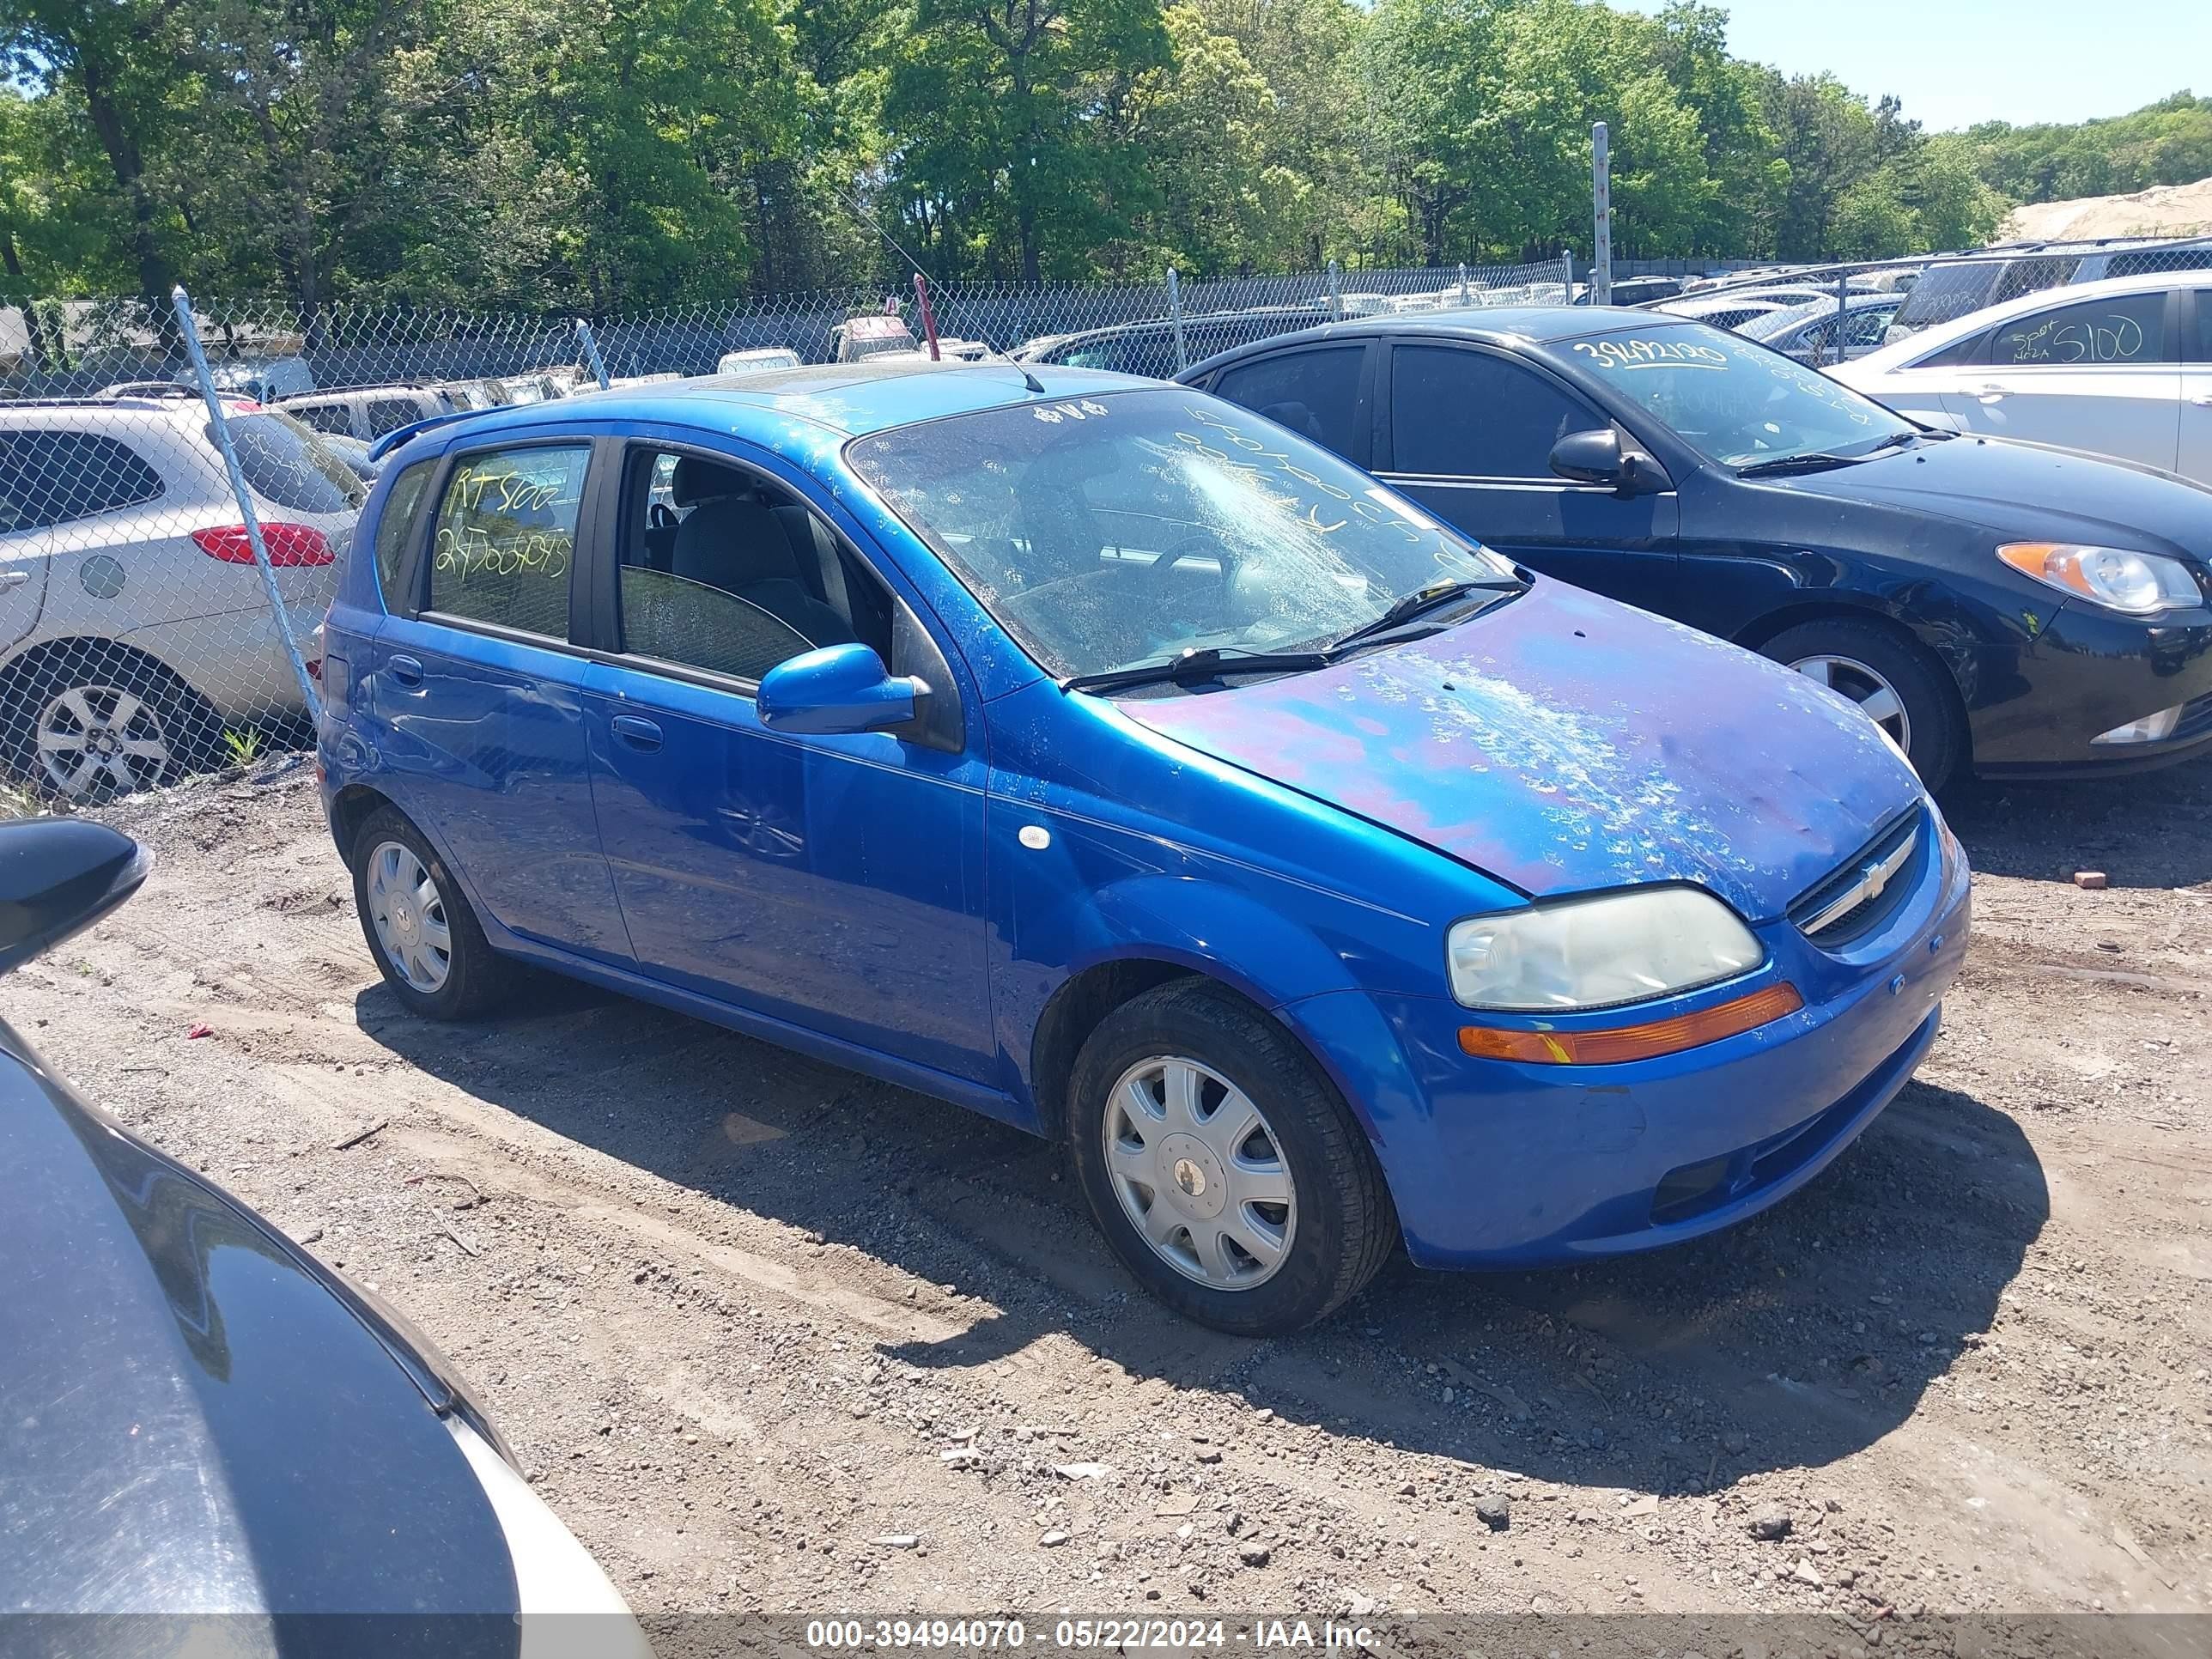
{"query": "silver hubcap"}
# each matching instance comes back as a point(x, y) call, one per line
point(1876, 698)
point(1199, 1173)
point(408, 914)
point(96, 737)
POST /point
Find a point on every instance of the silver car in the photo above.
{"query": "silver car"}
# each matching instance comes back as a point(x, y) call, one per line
point(136, 639)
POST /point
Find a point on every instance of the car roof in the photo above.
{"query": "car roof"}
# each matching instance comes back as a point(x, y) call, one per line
point(851, 398)
point(1938, 335)
point(1510, 325)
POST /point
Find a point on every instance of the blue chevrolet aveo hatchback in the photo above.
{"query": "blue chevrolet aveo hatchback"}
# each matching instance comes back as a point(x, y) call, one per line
point(1098, 755)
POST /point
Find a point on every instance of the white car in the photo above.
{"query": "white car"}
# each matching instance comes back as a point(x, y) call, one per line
point(2120, 368)
point(135, 629)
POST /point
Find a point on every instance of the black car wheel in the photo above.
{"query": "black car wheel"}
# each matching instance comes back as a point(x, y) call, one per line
point(1896, 687)
point(1222, 1166)
point(425, 940)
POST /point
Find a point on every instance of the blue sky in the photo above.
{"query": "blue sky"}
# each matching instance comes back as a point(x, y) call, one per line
point(1957, 62)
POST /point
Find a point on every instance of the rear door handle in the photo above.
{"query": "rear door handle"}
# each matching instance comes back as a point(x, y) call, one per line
point(1989, 394)
point(406, 670)
point(17, 577)
point(637, 731)
point(2202, 400)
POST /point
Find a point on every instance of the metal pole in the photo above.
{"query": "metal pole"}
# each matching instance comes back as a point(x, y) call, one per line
point(1463, 297)
point(219, 428)
point(928, 317)
point(1335, 293)
point(592, 353)
point(1843, 313)
point(1601, 217)
point(1175, 310)
point(1567, 276)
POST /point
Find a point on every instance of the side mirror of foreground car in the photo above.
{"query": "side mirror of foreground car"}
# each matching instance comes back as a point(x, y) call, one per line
point(1597, 457)
point(838, 688)
point(57, 876)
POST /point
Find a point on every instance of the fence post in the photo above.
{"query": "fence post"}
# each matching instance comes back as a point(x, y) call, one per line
point(1843, 313)
point(1600, 216)
point(1462, 297)
point(1175, 310)
point(592, 353)
point(1335, 293)
point(219, 427)
point(1567, 276)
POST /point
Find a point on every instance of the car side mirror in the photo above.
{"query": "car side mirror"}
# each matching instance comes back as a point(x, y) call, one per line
point(58, 876)
point(837, 688)
point(1597, 457)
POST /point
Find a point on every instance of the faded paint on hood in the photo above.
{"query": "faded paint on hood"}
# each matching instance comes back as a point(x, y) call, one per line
point(1562, 742)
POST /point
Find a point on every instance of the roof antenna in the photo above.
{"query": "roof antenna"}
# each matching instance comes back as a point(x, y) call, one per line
point(852, 204)
point(1030, 379)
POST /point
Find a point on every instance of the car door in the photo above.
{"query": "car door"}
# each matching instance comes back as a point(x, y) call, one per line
point(2099, 375)
point(2194, 457)
point(476, 691)
point(834, 882)
point(1468, 432)
point(29, 498)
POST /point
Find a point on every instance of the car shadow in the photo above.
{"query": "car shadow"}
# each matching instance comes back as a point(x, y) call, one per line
point(2143, 830)
point(1792, 1340)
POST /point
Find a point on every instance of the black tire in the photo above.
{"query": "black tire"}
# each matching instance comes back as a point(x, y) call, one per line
point(100, 675)
point(1936, 733)
point(476, 977)
point(1345, 1225)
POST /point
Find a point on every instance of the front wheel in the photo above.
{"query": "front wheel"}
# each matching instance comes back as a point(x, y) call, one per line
point(1892, 685)
point(1222, 1166)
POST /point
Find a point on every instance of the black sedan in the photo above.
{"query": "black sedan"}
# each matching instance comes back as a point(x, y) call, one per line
point(1997, 607)
point(209, 1431)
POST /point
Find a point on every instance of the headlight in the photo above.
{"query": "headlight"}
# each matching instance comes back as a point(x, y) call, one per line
point(2117, 578)
point(1599, 952)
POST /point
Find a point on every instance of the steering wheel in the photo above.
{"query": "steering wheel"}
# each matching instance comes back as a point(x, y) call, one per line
point(1188, 548)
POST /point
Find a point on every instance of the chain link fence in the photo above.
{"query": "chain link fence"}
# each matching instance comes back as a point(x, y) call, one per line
point(180, 485)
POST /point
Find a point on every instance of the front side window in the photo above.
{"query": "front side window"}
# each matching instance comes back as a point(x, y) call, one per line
point(721, 569)
point(1457, 413)
point(506, 537)
point(1312, 392)
point(1119, 529)
point(1729, 399)
point(49, 477)
point(2128, 328)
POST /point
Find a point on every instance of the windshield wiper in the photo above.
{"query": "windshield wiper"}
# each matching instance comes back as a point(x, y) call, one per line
point(1409, 607)
point(1210, 662)
point(1816, 460)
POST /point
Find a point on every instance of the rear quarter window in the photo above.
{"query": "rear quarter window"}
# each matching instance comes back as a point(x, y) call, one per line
point(403, 507)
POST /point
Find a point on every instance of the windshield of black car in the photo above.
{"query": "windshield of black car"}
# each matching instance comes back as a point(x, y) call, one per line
point(1120, 530)
point(1730, 398)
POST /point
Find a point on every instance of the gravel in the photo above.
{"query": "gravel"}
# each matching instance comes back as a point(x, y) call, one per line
point(735, 1310)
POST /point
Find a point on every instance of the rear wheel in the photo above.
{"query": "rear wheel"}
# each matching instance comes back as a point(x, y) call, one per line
point(1222, 1166)
point(426, 941)
point(88, 725)
point(1894, 686)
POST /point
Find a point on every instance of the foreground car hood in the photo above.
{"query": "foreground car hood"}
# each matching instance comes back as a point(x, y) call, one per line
point(194, 1422)
point(2025, 492)
point(1562, 742)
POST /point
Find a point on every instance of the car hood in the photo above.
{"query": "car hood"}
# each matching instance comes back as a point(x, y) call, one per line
point(1562, 743)
point(2027, 492)
point(195, 1421)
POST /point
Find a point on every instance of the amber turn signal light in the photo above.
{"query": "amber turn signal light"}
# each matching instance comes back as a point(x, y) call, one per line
point(1623, 1042)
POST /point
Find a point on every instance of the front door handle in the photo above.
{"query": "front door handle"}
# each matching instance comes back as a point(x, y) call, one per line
point(17, 577)
point(637, 731)
point(406, 670)
point(2202, 400)
point(1989, 394)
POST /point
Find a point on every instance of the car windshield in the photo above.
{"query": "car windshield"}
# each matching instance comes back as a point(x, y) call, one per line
point(287, 463)
point(1115, 531)
point(1730, 398)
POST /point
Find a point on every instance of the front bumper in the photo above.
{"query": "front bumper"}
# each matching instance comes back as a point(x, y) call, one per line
point(1498, 1165)
point(2089, 671)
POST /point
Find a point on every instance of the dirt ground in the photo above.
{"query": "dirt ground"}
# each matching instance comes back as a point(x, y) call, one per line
point(769, 1335)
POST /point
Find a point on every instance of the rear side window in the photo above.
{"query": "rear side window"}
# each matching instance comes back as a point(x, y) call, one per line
point(2200, 349)
point(395, 531)
point(1472, 415)
point(1311, 393)
point(506, 538)
point(55, 477)
point(2127, 328)
point(286, 462)
point(323, 417)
